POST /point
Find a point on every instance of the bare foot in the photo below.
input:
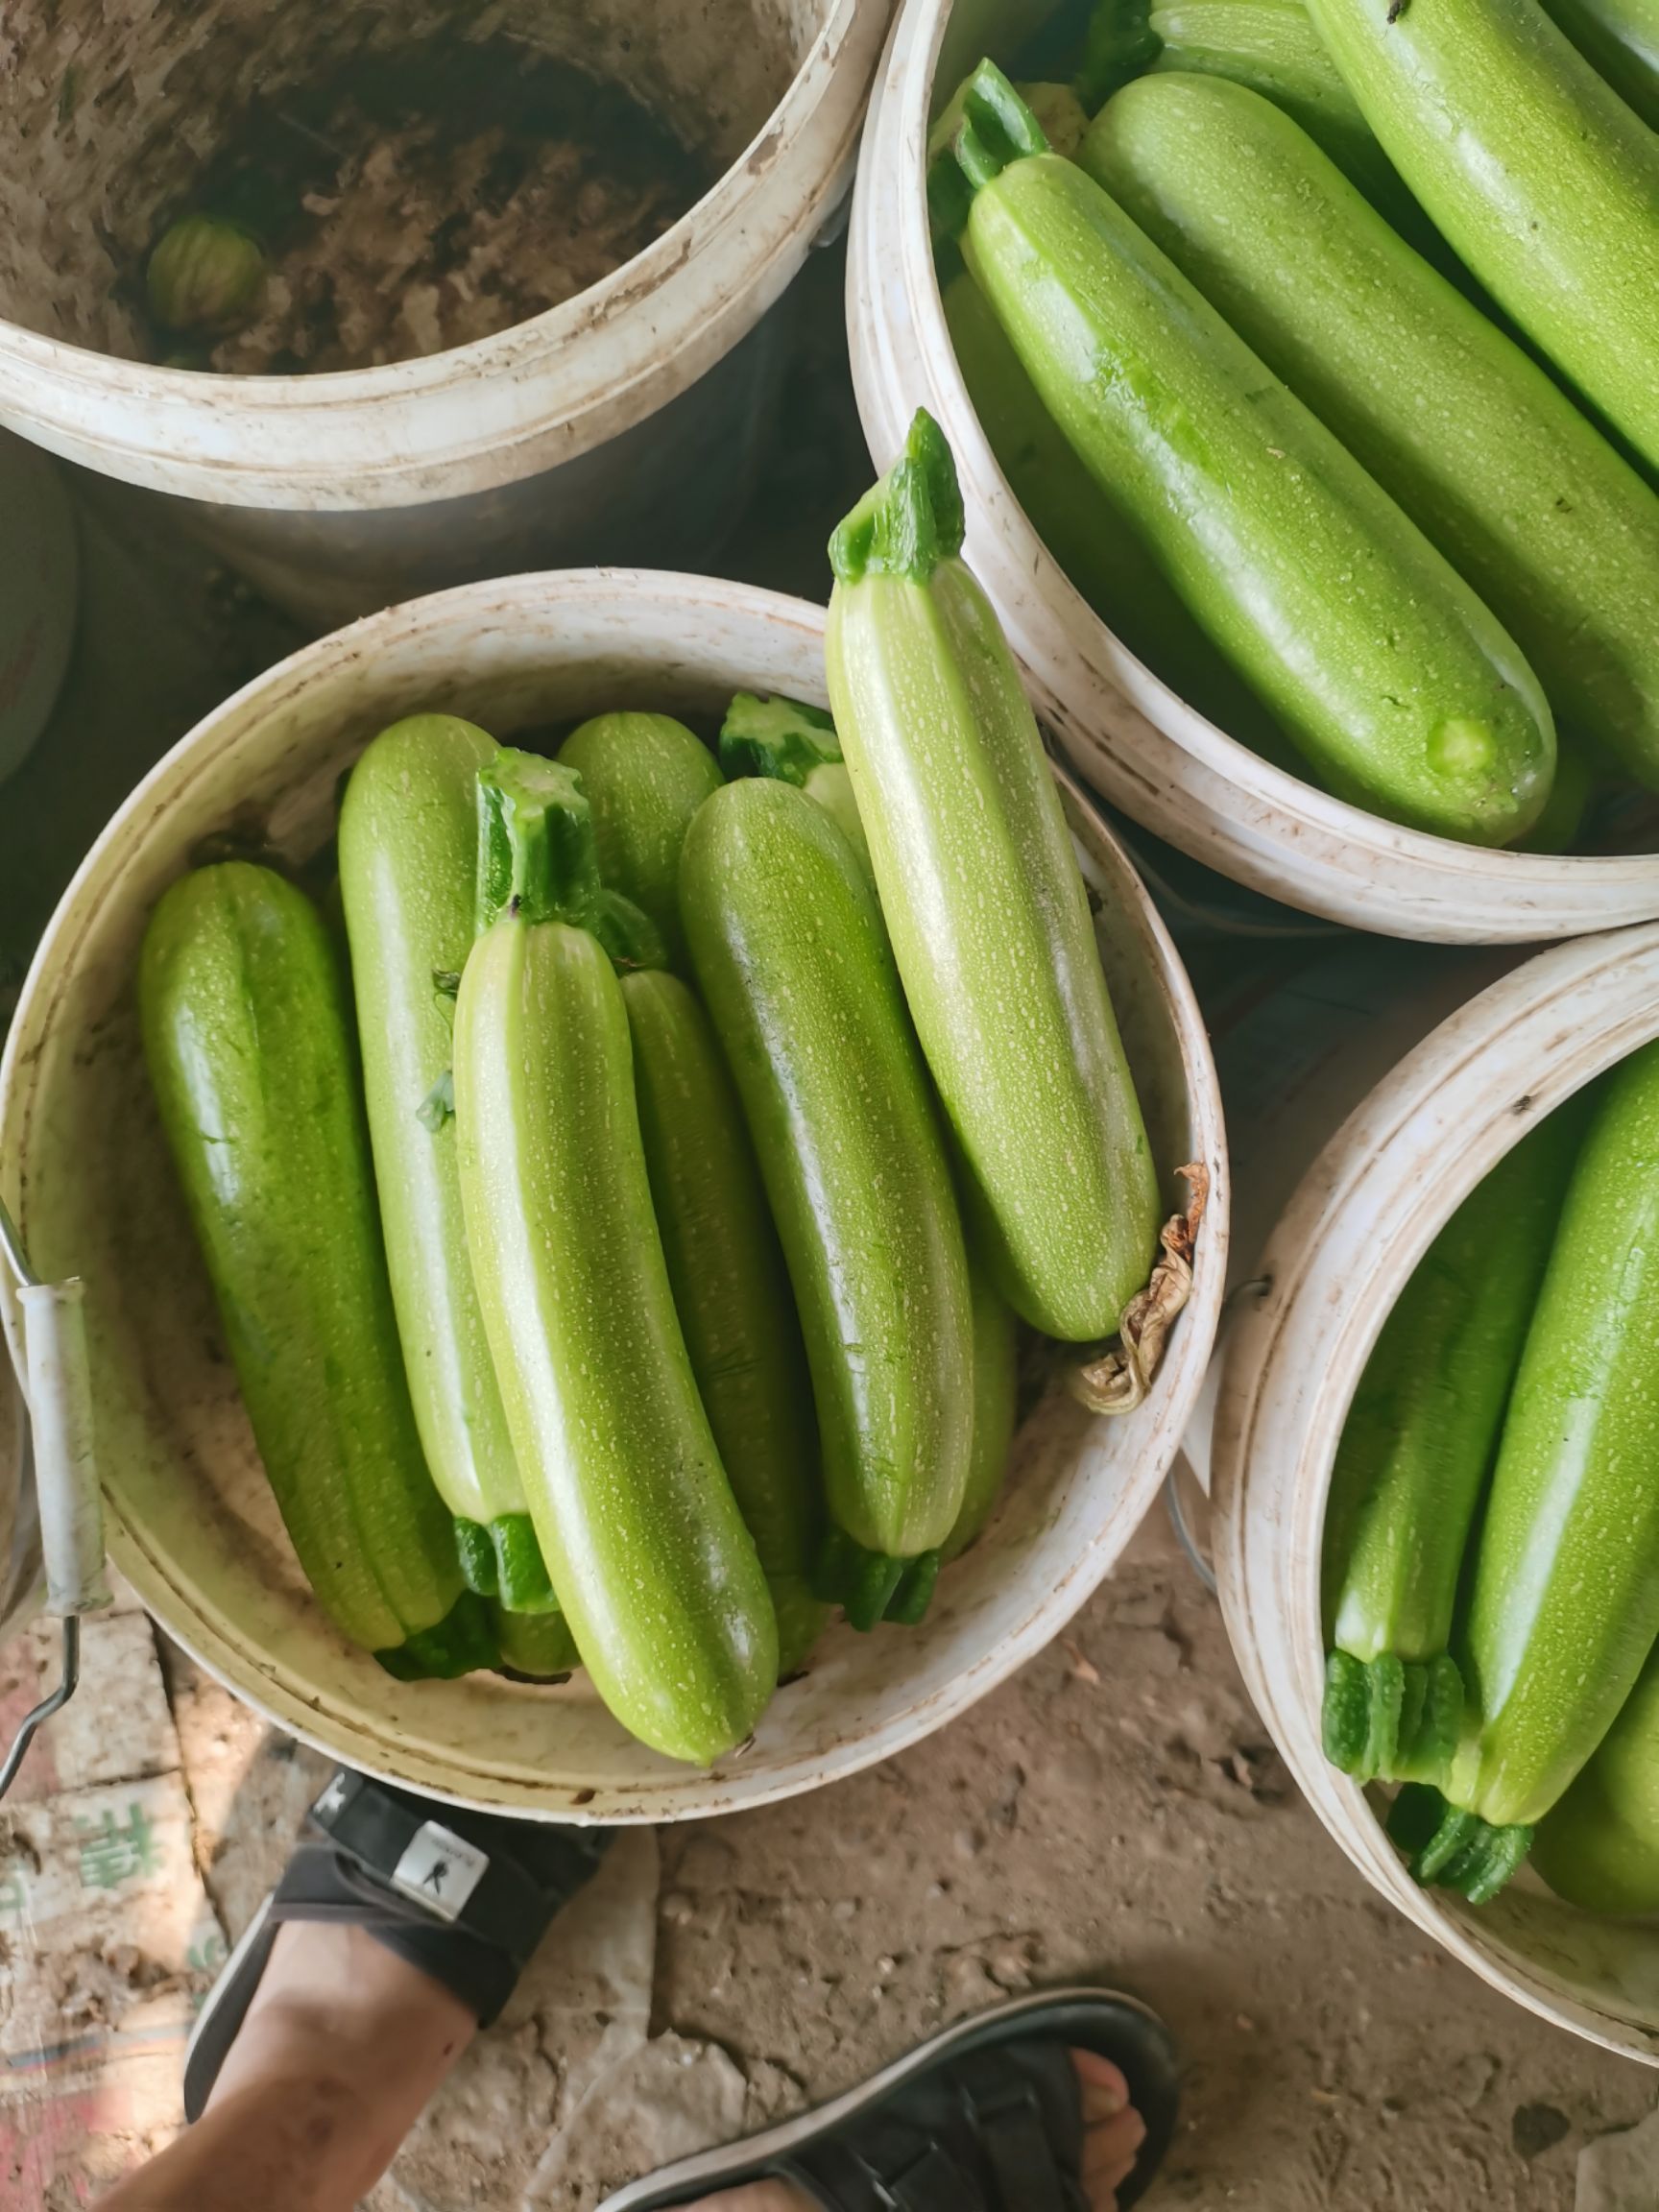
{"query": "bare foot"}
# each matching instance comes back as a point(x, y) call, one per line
point(1113, 2131)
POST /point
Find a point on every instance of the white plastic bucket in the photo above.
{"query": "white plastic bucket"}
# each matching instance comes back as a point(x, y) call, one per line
point(1298, 1338)
point(1128, 733)
point(191, 1520)
point(545, 444)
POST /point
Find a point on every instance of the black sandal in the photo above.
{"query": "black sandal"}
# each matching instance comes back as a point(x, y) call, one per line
point(465, 1896)
point(985, 2117)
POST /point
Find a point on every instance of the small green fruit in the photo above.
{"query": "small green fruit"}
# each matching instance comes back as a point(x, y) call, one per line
point(204, 275)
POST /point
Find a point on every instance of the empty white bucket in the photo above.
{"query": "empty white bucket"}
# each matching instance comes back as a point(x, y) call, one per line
point(1131, 736)
point(191, 1520)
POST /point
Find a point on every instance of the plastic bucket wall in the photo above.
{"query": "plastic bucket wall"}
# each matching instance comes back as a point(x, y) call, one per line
point(1294, 1058)
point(341, 493)
point(191, 1520)
point(1127, 731)
point(1296, 1345)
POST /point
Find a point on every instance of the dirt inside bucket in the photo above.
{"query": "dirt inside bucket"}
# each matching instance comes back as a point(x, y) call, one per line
point(415, 201)
point(418, 174)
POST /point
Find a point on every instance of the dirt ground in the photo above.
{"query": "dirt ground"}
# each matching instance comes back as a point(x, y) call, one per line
point(1113, 1811)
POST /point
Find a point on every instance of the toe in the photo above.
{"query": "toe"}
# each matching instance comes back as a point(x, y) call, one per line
point(1113, 2131)
point(1111, 2146)
point(1104, 2090)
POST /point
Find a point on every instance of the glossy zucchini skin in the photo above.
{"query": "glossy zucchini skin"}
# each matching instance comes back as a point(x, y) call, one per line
point(1538, 175)
point(408, 840)
point(1524, 497)
point(644, 777)
point(731, 1291)
point(1415, 1454)
point(1272, 47)
point(996, 1384)
point(653, 1566)
point(1395, 682)
point(985, 907)
point(1600, 1847)
point(250, 1052)
point(1092, 541)
point(1619, 38)
point(1565, 1602)
point(794, 966)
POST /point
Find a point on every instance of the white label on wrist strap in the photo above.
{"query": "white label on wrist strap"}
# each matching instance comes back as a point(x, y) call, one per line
point(440, 1869)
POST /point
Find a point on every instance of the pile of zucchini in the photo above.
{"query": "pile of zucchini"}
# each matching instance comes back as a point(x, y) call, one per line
point(1322, 358)
point(1492, 1535)
point(627, 1268)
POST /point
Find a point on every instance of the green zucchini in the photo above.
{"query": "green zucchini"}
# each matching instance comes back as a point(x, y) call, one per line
point(1619, 38)
point(995, 1382)
point(644, 777)
point(1415, 1452)
point(1087, 533)
point(1600, 1846)
point(1524, 497)
point(731, 1291)
point(653, 1566)
point(1541, 179)
point(247, 1041)
point(535, 1645)
point(1565, 1602)
point(795, 969)
point(408, 843)
point(797, 744)
point(1272, 47)
point(1390, 677)
point(986, 908)
point(1563, 824)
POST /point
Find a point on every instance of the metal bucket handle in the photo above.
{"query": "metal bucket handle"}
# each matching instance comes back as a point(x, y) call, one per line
point(57, 1385)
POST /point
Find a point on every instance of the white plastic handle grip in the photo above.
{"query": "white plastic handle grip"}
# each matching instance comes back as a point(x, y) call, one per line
point(65, 1467)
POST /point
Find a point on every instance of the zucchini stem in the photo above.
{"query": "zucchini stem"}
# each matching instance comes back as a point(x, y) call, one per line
point(870, 1586)
point(536, 1646)
point(462, 1643)
point(537, 855)
point(781, 738)
point(537, 858)
point(911, 520)
point(478, 1556)
point(520, 1573)
point(1386, 1719)
point(914, 1593)
point(1447, 1847)
point(985, 127)
point(1118, 45)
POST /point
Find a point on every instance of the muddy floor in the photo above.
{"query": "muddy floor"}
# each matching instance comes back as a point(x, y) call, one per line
point(1113, 1811)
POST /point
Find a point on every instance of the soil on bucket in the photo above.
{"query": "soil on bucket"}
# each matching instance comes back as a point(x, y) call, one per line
point(412, 203)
